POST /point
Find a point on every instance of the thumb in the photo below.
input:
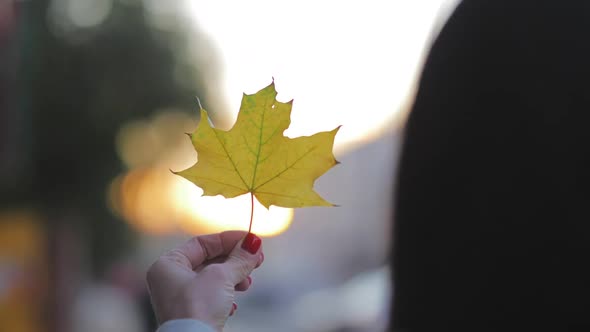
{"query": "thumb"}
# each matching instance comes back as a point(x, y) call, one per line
point(243, 258)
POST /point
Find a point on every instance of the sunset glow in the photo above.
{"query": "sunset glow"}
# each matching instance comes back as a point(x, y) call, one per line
point(156, 201)
point(343, 63)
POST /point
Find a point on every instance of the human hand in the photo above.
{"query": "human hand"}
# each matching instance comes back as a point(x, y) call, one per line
point(199, 278)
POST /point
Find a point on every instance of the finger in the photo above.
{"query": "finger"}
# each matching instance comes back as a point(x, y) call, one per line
point(243, 258)
point(201, 248)
point(234, 307)
point(261, 260)
point(244, 284)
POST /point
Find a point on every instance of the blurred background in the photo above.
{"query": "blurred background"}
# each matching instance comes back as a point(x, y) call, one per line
point(95, 98)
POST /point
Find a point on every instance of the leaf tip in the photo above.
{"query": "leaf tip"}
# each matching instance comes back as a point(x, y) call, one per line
point(173, 172)
point(264, 203)
point(199, 102)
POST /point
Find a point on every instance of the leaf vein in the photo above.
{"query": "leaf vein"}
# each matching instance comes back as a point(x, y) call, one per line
point(248, 145)
point(275, 194)
point(285, 169)
point(259, 144)
point(272, 135)
point(230, 158)
point(220, 182)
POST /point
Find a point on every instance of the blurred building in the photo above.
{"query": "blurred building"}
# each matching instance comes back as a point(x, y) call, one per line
point(72, 74)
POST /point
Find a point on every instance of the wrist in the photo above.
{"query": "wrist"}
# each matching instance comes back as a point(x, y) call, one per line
point(182, 311)
point(186, 324)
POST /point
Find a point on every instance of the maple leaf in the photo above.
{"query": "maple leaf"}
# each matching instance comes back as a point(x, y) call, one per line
point(255, 157)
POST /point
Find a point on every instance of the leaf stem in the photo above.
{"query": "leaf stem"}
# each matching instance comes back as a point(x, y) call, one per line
point(251, 212)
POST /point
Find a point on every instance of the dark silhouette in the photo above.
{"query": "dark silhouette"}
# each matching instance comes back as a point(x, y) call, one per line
point(492, 220)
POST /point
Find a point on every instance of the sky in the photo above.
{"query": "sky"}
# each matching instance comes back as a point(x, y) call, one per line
point(348, 63)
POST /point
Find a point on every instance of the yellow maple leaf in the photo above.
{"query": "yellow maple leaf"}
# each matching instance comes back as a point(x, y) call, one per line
point(254, 156)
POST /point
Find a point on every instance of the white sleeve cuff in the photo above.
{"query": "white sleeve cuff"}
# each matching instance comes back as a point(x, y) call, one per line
point(185, 325)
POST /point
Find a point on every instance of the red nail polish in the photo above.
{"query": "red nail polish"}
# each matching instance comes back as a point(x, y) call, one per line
point(251, 243)
point(234, 307)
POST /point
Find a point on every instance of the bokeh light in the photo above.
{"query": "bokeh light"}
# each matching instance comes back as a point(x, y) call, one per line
point(316, 64)
point(219, 214)
point(155, 201)
point(98, 97)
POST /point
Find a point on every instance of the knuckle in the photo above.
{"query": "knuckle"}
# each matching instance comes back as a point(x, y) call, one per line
point(176, 256)
point(152, 271)
point(216, 271)
point(243, 265)
point(244, 270)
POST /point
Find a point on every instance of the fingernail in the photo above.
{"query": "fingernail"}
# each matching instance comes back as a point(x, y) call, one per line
point(251, 243)
point(234, 307)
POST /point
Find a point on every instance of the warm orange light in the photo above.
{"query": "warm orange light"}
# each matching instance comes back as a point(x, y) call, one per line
point(219, 213)
point(140, 198)
point(155, 201)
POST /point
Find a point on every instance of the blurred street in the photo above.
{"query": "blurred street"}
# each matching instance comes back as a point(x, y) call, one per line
point(95, 99)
